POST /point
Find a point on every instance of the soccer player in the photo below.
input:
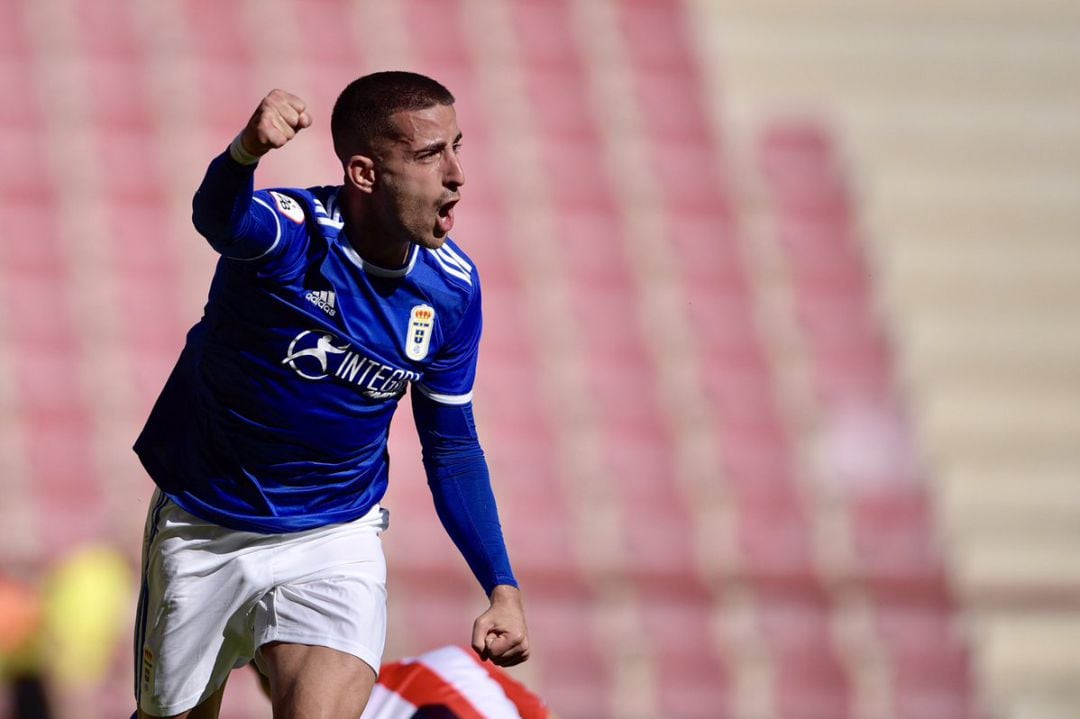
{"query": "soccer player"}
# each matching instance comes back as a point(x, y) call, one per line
point(449, 683)
point(268, 443)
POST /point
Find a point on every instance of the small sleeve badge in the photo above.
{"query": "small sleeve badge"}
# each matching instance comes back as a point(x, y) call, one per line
point(288, 207)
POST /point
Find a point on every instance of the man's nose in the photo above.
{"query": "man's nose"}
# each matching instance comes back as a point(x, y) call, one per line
point(455, 173)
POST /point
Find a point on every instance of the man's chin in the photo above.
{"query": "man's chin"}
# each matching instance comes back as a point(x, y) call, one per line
point(431, 241)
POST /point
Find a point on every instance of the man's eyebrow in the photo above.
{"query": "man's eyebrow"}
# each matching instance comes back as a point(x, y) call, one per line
point(437, 145)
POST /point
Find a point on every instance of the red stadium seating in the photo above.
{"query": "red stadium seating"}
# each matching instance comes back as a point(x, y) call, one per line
point(931, 669)
point(668, 577)
point(811, 685)
point(573, 664)
point(694, 681)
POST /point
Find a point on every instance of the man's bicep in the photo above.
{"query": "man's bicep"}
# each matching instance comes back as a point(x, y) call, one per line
point(444, 427)
point(268, 231)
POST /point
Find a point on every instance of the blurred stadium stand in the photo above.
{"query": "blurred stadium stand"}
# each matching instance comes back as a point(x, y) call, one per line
point(780, 377)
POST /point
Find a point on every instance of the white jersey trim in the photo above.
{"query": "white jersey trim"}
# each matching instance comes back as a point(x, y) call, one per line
point(456, 258)
point(371, 269)
point(450, 266)
point(454, 399)
point(277, 237)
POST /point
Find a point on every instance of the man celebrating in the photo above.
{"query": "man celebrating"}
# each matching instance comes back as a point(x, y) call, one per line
point(268, 443)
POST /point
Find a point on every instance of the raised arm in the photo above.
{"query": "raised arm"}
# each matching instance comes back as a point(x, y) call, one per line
point(223, 210)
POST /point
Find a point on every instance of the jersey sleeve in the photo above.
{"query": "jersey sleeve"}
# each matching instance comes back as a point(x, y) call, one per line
point(449, 379)
point(460, 484)
point(264, 228)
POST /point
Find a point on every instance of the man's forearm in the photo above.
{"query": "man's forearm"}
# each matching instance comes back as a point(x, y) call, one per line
point(221, 205)
point(465, 503)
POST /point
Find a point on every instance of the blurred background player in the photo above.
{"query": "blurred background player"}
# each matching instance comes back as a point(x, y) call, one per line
point(448, 683)
point(268, 443)
point(59, 641)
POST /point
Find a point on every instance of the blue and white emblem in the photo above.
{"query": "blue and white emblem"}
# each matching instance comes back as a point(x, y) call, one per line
point(418, 337)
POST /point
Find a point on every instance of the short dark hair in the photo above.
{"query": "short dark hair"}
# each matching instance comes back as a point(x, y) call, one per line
point(363, 109)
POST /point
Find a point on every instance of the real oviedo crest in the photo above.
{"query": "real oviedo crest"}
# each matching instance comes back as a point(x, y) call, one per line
point(417, 339)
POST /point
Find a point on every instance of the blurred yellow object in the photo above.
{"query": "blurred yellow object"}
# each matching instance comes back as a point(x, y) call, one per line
point(86, 605)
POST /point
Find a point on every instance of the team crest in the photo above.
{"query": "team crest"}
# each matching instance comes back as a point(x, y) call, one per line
point(421, 322)
point(288, 207)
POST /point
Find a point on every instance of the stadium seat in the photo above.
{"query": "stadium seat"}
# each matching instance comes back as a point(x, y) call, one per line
point(108, 29)
point(24, 147)
point(132, 154)
point(484, 222)
point(689, 175)
point(562, 99)
point(134, 243)
point(672, 106)
point(546, 35)
point(61, 464)
point(339, 50)
point(119, 90)
point(575, 676)
point(694, 680)
point(590, 240)
point(658, 523)
point(737, 386)
point(811, 685)
point(755, 458)
point(437, 37)
point(14, 63)
point(794, 620)
point(574, 171)
point(624, 388)
point(894, 539)
point(438, 609)
point(707, 244)
point(930, 666)
point(775, 540)
point(40, 261)
point(656, 35)
point(503, 405)
point(533, 505)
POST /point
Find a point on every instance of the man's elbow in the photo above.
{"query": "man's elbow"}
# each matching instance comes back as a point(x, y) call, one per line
point(217, 233)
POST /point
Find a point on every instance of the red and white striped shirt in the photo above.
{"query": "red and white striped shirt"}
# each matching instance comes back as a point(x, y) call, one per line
point(453, 678)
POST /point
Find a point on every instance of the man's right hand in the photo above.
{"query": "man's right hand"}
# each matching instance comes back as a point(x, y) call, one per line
point(275, 121)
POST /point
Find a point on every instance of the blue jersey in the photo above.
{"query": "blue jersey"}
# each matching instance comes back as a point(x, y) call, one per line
point(276, 416)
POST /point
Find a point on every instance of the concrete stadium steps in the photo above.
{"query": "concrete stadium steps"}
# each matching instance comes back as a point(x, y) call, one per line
point(955, 119)
point(1028, 661)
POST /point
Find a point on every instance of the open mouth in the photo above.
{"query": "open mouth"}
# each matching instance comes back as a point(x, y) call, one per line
point(445, 217)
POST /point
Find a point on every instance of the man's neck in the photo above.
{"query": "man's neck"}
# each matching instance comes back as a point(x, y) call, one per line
point(370, 240)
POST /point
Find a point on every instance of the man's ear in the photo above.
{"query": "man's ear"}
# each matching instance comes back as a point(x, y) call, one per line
point(360, 172)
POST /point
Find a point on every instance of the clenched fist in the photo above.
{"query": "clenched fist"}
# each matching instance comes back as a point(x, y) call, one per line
point(275, 121)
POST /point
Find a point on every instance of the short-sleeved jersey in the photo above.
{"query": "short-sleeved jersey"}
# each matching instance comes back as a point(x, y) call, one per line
point(277, 413)
point(452, 679)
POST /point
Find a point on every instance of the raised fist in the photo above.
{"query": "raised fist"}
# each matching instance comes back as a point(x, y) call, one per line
point(275, 121)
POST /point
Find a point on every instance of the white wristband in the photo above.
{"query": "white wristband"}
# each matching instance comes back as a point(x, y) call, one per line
point(240, 153)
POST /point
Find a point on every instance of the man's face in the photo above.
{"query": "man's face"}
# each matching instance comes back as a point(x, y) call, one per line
point(418, 175)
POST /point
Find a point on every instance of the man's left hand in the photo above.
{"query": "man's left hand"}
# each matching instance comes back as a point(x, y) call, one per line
point(499, 634)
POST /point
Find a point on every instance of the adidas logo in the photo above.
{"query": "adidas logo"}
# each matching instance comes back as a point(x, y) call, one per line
point(324, 300)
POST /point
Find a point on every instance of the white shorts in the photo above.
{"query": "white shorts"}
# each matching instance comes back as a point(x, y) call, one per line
point(212, 596)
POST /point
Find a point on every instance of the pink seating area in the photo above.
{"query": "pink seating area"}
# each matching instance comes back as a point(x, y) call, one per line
point(129, 298)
